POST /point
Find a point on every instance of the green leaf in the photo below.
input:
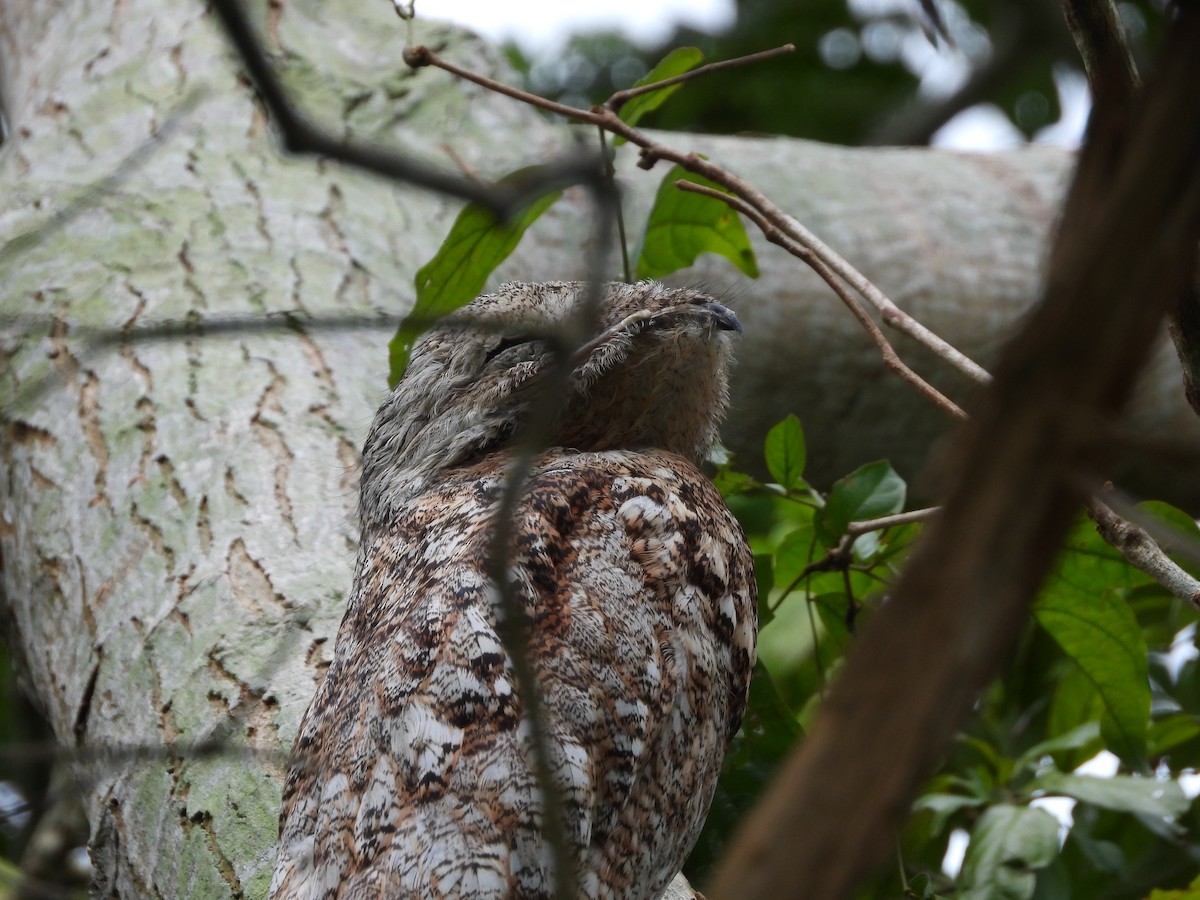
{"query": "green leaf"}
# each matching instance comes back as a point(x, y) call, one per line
point(678, 61)
point(1007, 845)
point(794, 552)
point(732, 484)
point(1077, 737)
point(1171, 732)
point(943, 806)
point(1081, 608)
point(476, 244)
point(683, 225)
point(764, 578)
point(832, 609)
point(729, 481)
point(786, 453)
point(1158, 803)
point(1191, 892)
point(868, 492)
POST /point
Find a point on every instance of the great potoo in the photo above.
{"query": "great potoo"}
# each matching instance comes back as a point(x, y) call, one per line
point(412, 773)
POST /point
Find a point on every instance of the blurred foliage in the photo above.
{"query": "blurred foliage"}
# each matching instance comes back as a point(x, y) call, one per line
point(864, 71)
point(1107, 670)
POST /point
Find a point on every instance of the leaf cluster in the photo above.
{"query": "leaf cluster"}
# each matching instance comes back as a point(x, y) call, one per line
point(1106, 674)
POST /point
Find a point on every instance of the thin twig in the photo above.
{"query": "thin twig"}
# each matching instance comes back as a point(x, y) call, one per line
point(513, 628)
point(299, 135)
point(1143, 552)
point(864, 526)
point(420, 56)
point(891, 359)
point(652, 151)
point(620, 98)
point(611, 174)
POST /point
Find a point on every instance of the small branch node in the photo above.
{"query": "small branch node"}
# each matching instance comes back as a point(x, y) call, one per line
point(417, 57)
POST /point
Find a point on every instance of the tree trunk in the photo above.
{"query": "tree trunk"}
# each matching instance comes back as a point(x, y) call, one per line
point(178, 515)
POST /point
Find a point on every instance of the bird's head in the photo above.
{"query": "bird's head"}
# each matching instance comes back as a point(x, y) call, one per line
point(651, 371)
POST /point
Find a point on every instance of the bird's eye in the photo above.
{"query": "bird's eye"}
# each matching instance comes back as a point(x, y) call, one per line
point(505, 344)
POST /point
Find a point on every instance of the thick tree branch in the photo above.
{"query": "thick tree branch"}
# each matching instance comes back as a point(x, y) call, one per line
point(1100, 38)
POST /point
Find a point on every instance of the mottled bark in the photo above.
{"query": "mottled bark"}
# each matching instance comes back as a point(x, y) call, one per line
point(176, 517)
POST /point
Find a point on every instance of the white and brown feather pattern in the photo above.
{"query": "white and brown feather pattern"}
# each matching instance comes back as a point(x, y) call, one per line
point(412, 775)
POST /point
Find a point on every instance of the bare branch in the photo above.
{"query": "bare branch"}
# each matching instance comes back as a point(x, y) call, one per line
point(854, 529)
point(652, 151)
point(1096, 27)
point(299, 135)
point(1143, 552)
point(420, 56)
point(891, 359)
point(620, 98)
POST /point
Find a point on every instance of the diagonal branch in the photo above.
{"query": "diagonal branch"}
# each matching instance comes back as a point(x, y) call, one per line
point(891, 359)
point(620, 98)
point(652, 151)
point(1126, 250)
point(299, 135)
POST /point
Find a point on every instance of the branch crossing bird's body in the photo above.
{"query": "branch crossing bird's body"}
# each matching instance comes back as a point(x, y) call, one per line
point(412, 774)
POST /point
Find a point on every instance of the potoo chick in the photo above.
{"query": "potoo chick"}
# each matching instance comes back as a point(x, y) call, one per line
point(412, 774)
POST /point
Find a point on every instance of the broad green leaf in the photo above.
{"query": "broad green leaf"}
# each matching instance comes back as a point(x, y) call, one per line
point(1175, 518)
point(476, 244)
point(868, 492)
point(1075, 702)
point(794, 552)
point(1171, 732)
point(943, 806)
point(832, 610)
point(1007, 844)
point(1081, 608)
point(1159, 803)
point(1077, 737)
point(732, 483)
point(683, 225)
point(786, 453)
point(764, 578)
point(678, 61)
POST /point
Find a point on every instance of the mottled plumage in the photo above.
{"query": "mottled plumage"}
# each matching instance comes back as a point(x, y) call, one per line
point(411, 775)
